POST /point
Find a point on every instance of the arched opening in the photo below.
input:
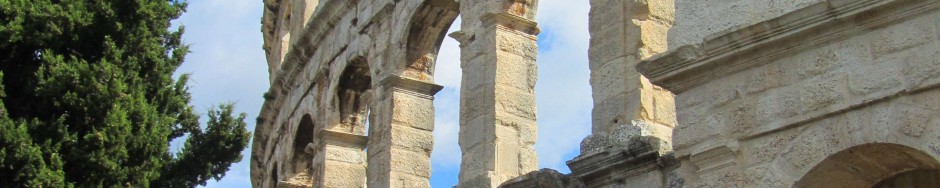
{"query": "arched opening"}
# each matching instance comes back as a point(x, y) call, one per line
point(274, 178)
point(428, 27)
point(302, 158)
point(427, 30)
point(355, 94)
point(874, 165)
point(920, 178)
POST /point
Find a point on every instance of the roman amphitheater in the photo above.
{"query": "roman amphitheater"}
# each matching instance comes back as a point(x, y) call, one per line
point(687, 93)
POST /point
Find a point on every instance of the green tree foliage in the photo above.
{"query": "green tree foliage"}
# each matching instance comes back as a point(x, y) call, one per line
point(89, 100)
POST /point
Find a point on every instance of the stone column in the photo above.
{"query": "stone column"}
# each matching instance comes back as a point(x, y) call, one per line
point(342, 160)
point(632, 120)
point(625, 103)
point(497, 105)
point(401, 139)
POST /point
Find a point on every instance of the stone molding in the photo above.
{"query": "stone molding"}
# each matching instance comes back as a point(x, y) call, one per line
point(342, 139)
point(609, 166)
point(729, 52)
point(689, 66)
point(544, 178)
point(510, 22)
point(714, 159)
point(411, 86)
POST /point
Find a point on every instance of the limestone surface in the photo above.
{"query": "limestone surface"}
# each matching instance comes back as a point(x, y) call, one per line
point(690, 93)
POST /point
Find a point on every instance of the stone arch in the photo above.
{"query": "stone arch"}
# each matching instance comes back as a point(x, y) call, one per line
point(354, 94)
point(426, 31)
point(868, 165)
point(302, 158)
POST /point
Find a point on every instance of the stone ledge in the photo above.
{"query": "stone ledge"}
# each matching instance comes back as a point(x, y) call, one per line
point(411, 86)
point(545, 178)
point(603, 168)
point(688, 66)
point(343, 139)
point(512, 22)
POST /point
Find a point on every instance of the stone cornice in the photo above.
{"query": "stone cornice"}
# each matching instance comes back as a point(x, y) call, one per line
point(342, 139)
point(511, 22)
point(268, 21)
point(688, 66)
point(616, 164)
point(411, 86)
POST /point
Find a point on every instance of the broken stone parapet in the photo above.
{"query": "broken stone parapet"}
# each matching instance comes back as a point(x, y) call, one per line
point(641, 163)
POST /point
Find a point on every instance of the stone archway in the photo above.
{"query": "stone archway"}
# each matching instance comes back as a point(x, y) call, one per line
point(874, 165)
point(372, 61)
point(301, 166)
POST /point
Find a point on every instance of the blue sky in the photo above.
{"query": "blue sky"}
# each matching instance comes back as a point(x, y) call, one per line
point(228, 65)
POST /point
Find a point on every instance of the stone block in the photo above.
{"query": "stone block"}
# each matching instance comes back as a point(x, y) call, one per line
point(608, 113)
point(520, 104)
point(339, 174)
point(864, 80)
point(408, 181)
point(808, 149)
point(921, 66)
point(608, 80)
point(413, 111)
point(476, 102)
point(606, 13)
point(910, 119)
point(780, 103)
point(762, 150)
point(741, 118)
point(653, 38)
point(412, 139)
point(516, 72)
point(477, 160)
point(648, 179)
point(902, 36)
point(473, 133)
point(516, 43)
point(688, 134)
point(816, 94)
point(507, 150)
point(345, 154)
point(409, 162)
point(664, 106)
point(762, 78)
point(612, 48)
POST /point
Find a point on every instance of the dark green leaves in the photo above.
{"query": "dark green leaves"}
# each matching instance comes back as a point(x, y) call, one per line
point(88, 98)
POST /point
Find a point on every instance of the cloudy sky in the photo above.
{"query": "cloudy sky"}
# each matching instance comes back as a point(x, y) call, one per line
point(227, 65)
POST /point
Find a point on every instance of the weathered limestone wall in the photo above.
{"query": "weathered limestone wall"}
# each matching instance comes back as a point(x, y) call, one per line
point(630, 144)
point(770, 93)
point(332, 72)
point(625, 103)
point(844, 90)
point(337, 63)
point(700, 20)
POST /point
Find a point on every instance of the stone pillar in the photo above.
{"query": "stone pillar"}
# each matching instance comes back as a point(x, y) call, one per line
point(632, 120)
point(401, 139)
point(497, 105)
point(625, 103)
point(342, 160)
